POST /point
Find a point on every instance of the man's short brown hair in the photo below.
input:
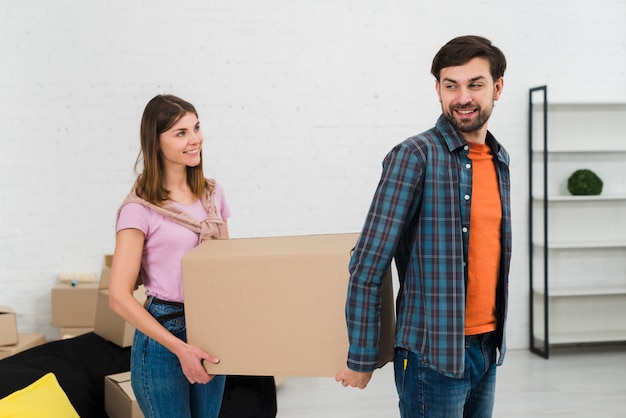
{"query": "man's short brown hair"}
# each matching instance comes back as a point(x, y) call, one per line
point(462, 49)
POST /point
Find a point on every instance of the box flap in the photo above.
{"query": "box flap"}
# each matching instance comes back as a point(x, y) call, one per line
point(273, 246)
point(119, 377)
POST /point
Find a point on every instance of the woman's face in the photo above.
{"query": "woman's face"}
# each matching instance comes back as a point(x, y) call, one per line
point(182, 143)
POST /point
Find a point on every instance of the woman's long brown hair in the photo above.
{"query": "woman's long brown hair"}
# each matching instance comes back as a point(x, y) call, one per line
point(160, 114)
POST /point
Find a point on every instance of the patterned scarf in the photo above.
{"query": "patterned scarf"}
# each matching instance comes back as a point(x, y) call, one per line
point(212, 227)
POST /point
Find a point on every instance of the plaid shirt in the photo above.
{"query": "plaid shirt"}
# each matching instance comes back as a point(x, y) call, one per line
point(420, 216)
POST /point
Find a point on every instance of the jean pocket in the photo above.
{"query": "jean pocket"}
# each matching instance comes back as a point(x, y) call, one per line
point(400, 363)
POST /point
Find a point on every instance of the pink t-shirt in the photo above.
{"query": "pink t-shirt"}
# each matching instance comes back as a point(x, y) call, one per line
point(166, 242)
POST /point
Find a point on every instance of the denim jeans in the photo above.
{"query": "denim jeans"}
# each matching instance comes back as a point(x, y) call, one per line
point(158, 382)
point(423, 392)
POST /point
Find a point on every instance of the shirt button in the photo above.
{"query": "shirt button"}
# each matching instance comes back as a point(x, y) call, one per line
point(464, 229)
point(468, 166)
point(466, 197)
point(466, 147)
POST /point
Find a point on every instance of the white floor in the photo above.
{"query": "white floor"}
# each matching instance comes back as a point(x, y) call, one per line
point(575, 382)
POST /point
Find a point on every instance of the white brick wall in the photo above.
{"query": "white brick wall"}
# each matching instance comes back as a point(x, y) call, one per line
point(299, 102)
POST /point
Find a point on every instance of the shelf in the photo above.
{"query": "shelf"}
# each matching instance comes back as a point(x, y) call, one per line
point(581, 151)
point(587, 337)
point(581, 245)
point(580, 106)
point(583, 291)
point(571, 198)
point(577, 278)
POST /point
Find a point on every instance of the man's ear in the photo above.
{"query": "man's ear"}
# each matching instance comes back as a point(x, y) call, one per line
point(497, 88)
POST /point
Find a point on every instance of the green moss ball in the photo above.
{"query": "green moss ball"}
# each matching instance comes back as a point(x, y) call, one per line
point(584, 182)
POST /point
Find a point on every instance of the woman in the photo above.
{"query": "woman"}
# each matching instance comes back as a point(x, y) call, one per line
point(170, 209)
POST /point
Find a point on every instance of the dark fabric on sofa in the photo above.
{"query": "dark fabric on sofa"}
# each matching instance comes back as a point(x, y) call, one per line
point(79, 364)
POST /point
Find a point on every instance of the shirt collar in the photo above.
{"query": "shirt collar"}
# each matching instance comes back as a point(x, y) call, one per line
point(451, 136)
point(455, 140)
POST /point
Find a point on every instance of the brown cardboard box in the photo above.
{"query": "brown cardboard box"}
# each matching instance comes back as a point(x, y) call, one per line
point(110, 325)
point(71, 332)
point(105, 277)
point(275, 306)
point(74, 306)
point(25, 341)
point(8, 326)
point(108, 260)
point(119, 399)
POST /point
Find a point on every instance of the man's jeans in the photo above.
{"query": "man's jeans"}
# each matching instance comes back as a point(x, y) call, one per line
point(425, 393)
point(158, 382)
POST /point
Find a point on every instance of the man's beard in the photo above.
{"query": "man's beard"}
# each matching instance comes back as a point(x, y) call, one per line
point(467, 126)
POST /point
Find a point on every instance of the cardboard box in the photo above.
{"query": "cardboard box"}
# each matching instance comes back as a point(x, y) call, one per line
point(8, 326)
point(74, 306)
point(275, 306)
point(108, 260)
point(25, 341)
point(105, 277)
point(71, 332)
point(110, 325)
point(119, 399)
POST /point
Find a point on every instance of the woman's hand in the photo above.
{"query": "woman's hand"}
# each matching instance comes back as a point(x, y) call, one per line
point(191, 360)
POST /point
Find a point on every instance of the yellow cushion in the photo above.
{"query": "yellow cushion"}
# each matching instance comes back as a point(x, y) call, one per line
point(43, 398)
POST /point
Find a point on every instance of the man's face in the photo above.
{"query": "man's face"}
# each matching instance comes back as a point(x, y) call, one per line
point(467, 93)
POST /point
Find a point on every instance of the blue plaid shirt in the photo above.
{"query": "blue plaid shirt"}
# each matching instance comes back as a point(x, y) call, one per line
point(420, 216)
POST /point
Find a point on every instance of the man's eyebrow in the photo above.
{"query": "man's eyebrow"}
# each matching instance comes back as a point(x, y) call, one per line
point(471, 80)
point(480, 77)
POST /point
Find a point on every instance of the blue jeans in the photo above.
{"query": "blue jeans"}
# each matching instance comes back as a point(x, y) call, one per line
point(423, 392)
point(158, 382)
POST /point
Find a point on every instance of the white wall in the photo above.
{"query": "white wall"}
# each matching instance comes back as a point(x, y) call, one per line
point(299, 102)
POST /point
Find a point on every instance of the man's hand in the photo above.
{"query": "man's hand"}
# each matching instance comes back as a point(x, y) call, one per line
point(349, 377)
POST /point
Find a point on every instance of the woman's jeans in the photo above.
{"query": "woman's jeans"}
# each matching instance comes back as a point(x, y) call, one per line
point(425, 393)
point(158, 382)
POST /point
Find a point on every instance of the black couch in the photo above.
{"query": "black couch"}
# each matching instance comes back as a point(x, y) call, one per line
point(81, 363)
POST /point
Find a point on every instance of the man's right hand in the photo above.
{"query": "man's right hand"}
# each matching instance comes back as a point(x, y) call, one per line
point(348, 377)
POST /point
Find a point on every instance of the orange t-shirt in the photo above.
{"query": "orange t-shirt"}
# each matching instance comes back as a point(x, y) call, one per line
point(484, 243)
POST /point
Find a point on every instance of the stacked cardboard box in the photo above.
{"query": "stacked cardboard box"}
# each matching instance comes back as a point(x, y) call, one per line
point(12, 342)
point(25, 341)
point(74, 307)
point(108, 324)
point(8, 326)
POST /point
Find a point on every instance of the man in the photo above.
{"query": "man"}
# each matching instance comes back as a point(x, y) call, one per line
point(442, 211)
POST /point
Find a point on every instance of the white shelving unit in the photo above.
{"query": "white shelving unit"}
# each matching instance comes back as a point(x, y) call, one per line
point(577, 244)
